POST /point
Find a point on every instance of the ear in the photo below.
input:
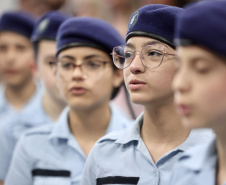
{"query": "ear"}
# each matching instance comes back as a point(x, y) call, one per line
point(34, 70)
point(118, 77)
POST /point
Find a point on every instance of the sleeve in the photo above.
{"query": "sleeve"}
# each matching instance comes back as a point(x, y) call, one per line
point(21, 166)
point(90, 170)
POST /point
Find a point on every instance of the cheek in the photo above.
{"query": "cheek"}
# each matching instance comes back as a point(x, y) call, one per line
point(62, 84)
point(213, 99)
point(126, 73)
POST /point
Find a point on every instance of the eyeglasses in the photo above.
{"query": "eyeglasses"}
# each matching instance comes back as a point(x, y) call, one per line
point(90, 68)
point(150, 55)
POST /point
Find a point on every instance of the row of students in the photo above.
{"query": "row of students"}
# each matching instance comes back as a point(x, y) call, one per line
point(146, 151)
point(87, 80)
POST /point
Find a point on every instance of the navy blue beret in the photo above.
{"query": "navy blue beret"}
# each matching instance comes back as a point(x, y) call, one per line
point(203, 23)
point(17, 22)
point(46, 27)
point(155, 21)
point(87, 31)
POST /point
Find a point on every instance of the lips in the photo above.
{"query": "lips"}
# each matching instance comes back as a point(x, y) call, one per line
point(183, 109)
point(10, 71)
point(78, 90)
point(135, 84)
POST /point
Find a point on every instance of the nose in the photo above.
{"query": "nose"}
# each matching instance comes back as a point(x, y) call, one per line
point(137, 66)
point(10, 56)
point(181, 82)
point(78, 73)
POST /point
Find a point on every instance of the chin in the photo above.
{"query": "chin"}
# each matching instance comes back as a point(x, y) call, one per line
point(193, 123)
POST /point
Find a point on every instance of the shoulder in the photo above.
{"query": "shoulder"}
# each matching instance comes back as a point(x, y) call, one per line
point(195, 158)
point(112, 136)
point(39, 131)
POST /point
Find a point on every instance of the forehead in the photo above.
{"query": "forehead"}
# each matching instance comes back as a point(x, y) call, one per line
point(139, 42)
point(80, 52)
point(47, 47)
point(7, 36)
point(194, 51)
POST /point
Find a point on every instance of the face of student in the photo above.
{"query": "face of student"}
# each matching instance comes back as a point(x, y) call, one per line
point(86, 77)
point(200, 88)
point(46, 59)
point(149, 87)
point(16, 59)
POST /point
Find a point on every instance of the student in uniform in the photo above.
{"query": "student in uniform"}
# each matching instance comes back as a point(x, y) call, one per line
point(200, 91)
point(20, 97)
point(88, 80)
point(44, 41)
point(145, 153)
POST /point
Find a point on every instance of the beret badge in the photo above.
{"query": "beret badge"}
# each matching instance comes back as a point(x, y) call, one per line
point(133, 19)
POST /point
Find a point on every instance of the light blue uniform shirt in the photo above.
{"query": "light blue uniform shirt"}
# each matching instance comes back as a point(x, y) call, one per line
point(15, 122)
point(122, 158)
point(51, 155)
point(196, 166)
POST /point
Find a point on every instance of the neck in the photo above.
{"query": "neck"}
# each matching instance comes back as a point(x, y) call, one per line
point(18, 96)
point(162, 130)
point(52, 107)
point(88, 126)
point(221, 150)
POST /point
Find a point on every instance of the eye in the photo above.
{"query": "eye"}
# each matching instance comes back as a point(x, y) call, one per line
point(128, 55)
point(20, 48)
point(92, 64)
point(52, 63)
point(67, 65)
point(155, 53)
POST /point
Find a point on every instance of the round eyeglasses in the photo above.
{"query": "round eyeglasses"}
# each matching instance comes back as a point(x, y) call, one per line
point(90, 67)
point(150, 55)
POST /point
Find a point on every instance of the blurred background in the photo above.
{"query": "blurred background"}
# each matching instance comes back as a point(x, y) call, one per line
point(116, 12)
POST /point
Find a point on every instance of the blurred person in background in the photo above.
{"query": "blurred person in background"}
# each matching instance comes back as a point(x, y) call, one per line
point(20, 97)
point(40, 7)
point(200, 91)
point(87, 79)
point(44, 41)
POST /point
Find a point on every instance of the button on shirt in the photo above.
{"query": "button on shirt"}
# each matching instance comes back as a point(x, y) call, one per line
point(51, 154)
point(15, 122)
point(122, 158)
point(197, 166)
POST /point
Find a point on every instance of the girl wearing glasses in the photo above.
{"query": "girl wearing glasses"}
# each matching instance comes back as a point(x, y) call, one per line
point(87, 80)
point(200, 91)
point(145, 153)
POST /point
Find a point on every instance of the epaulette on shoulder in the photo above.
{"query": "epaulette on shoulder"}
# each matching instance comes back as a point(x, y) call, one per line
point(45, 129)
point(112, 136)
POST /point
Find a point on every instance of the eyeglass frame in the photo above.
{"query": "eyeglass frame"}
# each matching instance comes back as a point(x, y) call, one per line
point(80, 65)
point(134, 55)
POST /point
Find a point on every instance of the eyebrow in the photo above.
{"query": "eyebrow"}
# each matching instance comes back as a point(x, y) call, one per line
point(147, 43)
point(50, 57)
point(85, 58)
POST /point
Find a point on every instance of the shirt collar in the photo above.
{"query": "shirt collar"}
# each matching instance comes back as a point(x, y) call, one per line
point(197, 157)
point(132, 132)
point(61, 128)
point(4, 104)
point(196, 137)
point(118, 119)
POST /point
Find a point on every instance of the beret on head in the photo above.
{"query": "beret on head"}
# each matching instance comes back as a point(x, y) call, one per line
point(87, 31)
point(46, 27)
point(155, 21)
point(203, 23)
point(18, 22)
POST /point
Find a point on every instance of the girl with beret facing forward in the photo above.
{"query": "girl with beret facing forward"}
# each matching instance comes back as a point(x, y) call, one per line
point(145, 153)
point(200, 91)
point(87, 80)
